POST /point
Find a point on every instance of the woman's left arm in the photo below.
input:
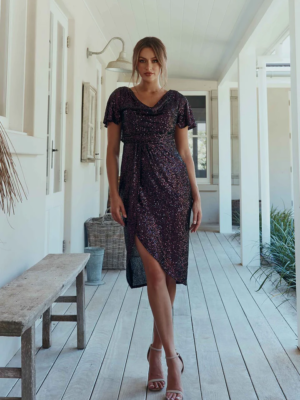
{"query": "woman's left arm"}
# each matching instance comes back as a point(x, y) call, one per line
point(182, 144)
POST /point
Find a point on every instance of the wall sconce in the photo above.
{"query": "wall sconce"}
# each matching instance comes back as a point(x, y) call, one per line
point(121, 64)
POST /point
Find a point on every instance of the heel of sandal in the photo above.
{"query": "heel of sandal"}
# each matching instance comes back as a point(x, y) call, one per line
point(180, 358)
point(176, 391)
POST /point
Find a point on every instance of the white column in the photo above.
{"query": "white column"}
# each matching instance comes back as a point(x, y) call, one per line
point(224, 131)
point(295, 105)
point(264, 150)
point(249, 207)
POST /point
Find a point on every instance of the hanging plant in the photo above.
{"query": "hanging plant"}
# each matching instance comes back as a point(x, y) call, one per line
point(11, 188)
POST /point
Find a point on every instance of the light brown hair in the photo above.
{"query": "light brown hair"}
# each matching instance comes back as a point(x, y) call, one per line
point(160, 52)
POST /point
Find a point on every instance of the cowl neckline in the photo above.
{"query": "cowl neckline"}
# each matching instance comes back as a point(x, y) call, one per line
point(145, 105)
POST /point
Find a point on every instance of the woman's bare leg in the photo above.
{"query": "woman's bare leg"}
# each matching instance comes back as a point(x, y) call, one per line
point(155, 370)
point(171, 285)
point(161, 307)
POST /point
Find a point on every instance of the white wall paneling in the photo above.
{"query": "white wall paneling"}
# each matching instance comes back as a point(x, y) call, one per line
point(21, 143)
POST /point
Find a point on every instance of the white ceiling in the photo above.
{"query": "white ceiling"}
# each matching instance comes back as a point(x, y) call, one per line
point(200, 35)
point(274, 24)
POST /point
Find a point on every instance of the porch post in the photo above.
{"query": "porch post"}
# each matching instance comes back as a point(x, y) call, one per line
point(295, 106)
point(264, 149)
point(224, 128)
point(249, 207)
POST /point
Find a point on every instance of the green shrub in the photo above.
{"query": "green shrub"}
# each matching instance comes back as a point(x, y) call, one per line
point(278, 256)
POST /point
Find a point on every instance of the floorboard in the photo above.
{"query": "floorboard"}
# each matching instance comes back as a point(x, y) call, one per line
point(237, 343)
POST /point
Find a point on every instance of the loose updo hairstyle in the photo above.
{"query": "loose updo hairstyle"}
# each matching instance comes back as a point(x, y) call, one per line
point(160, 52)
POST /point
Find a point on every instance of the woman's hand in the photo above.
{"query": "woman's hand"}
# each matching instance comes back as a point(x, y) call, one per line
point(117, 206)
point(197, 215)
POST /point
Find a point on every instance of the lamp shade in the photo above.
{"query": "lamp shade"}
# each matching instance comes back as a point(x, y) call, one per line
point(120, 65)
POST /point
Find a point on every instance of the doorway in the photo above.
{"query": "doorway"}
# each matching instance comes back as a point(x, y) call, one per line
point(56, 130)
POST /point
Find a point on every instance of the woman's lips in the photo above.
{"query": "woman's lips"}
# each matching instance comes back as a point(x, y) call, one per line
point(148, 73)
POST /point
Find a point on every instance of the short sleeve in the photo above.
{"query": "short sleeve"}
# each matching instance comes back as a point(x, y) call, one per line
point(112, 111)
point(185, 115)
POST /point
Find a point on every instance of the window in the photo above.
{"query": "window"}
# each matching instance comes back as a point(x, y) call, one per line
point(4, 29)
point(198, 137)
point(13, 34)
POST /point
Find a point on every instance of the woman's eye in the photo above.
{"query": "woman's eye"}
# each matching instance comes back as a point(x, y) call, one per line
point(152, 60)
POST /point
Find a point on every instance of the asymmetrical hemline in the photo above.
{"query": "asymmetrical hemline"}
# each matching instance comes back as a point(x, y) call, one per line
point(154, 183)
point(167, 272)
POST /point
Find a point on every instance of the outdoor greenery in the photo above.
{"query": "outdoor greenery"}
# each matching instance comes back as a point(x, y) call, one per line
point(278, 257)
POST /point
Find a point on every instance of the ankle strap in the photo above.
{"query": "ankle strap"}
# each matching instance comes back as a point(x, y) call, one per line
point(169, 358)
point(153, 348)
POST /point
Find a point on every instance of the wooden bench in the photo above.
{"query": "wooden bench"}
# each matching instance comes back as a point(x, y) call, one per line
point(30, 296)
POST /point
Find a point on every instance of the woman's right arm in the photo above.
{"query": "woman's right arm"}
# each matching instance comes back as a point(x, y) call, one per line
point(112, 166)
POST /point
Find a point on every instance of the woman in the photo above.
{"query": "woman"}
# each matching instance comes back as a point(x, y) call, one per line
point(156, 194)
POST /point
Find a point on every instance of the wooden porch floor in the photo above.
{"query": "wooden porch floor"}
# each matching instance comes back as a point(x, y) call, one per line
point(235, 342)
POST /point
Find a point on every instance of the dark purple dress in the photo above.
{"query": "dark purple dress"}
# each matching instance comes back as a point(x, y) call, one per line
point(154, 182)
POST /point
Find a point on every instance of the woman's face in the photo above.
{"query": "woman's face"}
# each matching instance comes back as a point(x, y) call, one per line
point(148, 66)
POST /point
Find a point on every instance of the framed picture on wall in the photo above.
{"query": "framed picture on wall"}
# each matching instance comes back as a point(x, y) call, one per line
point(88, 131)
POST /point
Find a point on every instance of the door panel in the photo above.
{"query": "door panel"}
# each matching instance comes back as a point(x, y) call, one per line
point(56, 129)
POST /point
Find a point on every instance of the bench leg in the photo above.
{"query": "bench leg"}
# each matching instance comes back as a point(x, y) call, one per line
point(28, 364)
point(47, 333)
point(81, 340)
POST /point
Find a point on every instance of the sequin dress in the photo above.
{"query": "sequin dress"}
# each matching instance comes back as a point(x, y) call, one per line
point(154, 182)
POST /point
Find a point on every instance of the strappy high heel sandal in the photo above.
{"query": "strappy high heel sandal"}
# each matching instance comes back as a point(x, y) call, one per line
point(157, 379)
point(182, 369)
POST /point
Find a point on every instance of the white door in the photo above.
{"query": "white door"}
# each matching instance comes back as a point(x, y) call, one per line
point(57, 80)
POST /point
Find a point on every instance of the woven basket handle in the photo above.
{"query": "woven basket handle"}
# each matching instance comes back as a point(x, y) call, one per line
point(107, 217)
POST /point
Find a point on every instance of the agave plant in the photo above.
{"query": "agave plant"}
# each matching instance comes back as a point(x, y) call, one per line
point(278, 256)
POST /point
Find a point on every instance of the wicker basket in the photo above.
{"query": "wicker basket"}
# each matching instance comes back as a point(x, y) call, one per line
point(106, 232)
